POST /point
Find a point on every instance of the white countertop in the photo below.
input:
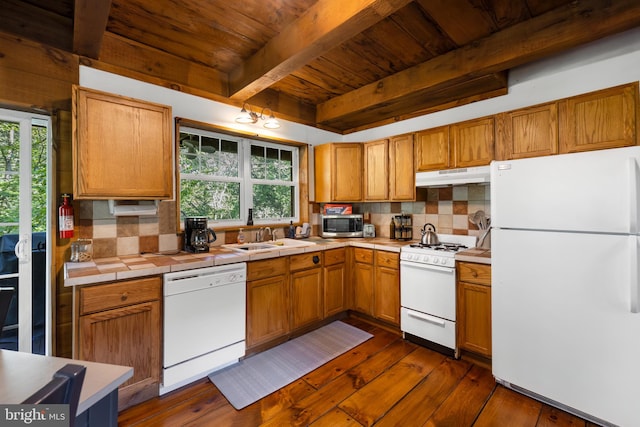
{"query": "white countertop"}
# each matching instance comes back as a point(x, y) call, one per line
point(22, 374)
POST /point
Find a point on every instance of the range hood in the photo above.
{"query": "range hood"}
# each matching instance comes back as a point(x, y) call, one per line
point(442, 178)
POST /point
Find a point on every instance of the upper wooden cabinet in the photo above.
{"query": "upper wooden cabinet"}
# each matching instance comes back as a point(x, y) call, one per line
point(529, 132)
point(597, 120)
point(402, 176)
point(121, 147)
point(338, 172)
point(432, 149)
point(376, 170)
point(459, 145)
point(472, 142)
point(388, 169)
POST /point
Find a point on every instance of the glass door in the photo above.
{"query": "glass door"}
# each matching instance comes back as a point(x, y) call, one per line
point(24, 263)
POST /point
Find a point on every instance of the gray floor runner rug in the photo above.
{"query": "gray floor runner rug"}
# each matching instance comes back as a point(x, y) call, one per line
point(257, 376)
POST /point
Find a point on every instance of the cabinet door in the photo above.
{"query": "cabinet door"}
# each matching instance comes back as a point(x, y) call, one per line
point(127, 336)
point(338, 172)
point(472, 143)
point(387, 295)
point(402, 176)
point(376, 171)
point(121, 147)
point(598, 120)
point(474, 318)
point(432, 149)
point(306, 297)
point(267, 310)
point(529, 132)
point(334, 289)
point(363, 288)
point(347, 172)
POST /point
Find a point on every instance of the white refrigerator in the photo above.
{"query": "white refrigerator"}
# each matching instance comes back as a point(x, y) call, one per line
point(565, 279)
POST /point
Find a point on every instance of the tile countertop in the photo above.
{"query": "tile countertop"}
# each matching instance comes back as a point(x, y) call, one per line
point(478, 255)
point(132, 266)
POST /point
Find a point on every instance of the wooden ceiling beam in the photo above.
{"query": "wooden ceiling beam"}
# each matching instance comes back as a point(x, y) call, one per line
point(35, 23)
point(547, 34)
point(325, 25)
point(89, 25)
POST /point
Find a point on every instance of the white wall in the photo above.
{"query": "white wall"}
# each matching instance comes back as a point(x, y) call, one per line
point(605, 63)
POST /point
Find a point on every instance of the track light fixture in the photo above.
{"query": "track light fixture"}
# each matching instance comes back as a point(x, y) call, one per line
point(247, 115)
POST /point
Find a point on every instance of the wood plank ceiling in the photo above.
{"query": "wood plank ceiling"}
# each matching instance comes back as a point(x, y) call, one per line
point(340, 65)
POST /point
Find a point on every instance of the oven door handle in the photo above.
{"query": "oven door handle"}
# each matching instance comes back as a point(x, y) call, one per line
point(426, 317)
point(427, 266)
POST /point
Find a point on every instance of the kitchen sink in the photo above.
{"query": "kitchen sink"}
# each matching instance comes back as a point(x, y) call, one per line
point(268, 246)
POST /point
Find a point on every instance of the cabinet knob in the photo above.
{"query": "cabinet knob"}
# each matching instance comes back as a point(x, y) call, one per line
point(316, 259)
point(124, 296)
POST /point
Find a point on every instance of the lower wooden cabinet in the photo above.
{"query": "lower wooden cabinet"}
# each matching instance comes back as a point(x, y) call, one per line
point(376, 284)
point(267, 300)
point(387, 287)
point(334, 275)
point(306, 289)
point(474, 308)
point(363, 280)
point(120, 323)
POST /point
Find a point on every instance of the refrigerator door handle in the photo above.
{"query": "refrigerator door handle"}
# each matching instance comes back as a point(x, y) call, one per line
point(634, 186)
point(634, 283)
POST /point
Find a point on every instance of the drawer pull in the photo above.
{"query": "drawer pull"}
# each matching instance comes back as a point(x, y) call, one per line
point(427, 318)
point(124, 296)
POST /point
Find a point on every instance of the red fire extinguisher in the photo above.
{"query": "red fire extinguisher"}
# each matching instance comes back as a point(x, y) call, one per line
point(65, 217)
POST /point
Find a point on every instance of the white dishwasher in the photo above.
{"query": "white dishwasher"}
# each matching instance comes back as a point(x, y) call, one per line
point(204, 322)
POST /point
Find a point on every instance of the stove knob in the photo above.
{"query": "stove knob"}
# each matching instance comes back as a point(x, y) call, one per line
point(443, 261)
point(425, 258)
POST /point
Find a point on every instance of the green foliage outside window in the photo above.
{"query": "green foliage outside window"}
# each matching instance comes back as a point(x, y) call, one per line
point(212, 181)
point(9, 177)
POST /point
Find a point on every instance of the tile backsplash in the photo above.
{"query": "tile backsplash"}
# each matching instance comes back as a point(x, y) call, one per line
point(447, 208)
point(127, 235)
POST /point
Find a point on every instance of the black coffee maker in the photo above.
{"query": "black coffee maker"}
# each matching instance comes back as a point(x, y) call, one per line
point(196, 235)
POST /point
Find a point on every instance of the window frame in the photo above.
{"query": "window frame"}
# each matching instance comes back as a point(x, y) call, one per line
point(244, 170)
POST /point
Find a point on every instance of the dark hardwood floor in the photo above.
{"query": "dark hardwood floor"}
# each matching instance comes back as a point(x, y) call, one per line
point(385, 381)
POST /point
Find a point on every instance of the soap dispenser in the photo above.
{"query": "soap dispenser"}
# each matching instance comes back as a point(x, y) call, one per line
point(241, 236)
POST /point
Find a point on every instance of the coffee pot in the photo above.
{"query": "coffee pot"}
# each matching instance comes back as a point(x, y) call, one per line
point(197, 235)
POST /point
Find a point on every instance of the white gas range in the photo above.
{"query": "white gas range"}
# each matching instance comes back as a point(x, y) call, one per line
point(428, 292)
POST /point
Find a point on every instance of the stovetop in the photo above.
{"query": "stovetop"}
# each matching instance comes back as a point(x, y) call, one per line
point(440, 254)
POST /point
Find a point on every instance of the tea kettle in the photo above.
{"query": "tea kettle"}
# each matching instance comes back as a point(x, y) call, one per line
point(429, 236)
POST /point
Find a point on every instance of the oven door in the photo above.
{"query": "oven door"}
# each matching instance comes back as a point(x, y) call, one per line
point(429, 289)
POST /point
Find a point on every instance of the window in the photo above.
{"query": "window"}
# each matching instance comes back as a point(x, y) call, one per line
point(222, 177)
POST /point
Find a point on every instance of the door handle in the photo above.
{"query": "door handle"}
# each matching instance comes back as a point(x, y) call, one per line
point(21, 253)
point(634, 276)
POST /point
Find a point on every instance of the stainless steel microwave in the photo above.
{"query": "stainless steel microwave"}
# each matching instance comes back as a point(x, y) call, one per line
point(341, 225)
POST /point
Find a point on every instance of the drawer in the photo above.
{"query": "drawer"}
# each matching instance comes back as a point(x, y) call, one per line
point(267, 268)
point(474, 273)
point(119, 294)
point(305, 261)
point(334, 256)
point(363, 255)
point(388, 259)
point(431, 328)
